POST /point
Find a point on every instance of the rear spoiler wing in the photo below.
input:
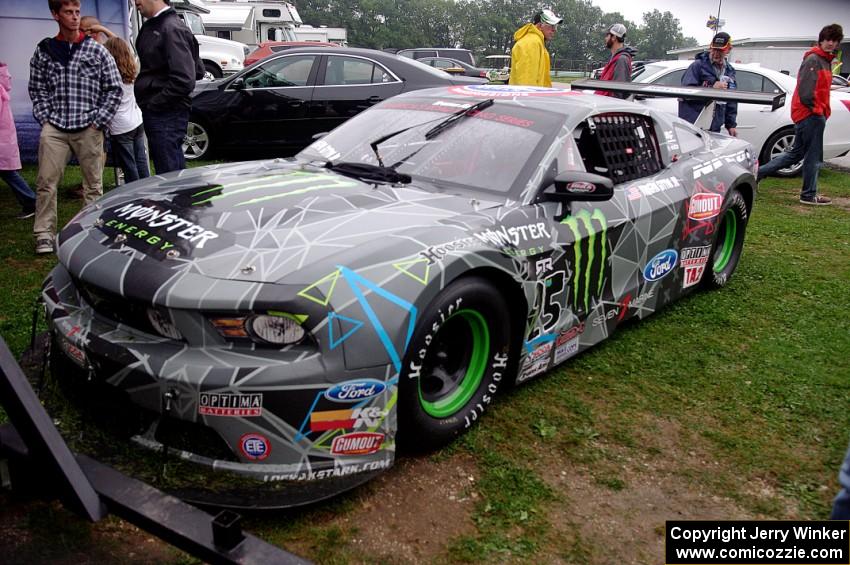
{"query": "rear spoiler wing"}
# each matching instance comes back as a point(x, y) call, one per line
point(707, 94)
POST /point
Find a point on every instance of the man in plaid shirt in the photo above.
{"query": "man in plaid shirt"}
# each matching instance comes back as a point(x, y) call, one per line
point(75, 89)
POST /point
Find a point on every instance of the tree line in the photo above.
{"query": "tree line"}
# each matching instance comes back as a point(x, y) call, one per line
point(487, 26)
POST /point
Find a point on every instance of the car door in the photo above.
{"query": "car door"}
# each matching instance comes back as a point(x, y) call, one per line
point(346, 85)
point(275, 98)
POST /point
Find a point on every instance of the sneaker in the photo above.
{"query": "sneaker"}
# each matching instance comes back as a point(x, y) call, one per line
point(25, 214)
point(43, 246)
point(818, 200)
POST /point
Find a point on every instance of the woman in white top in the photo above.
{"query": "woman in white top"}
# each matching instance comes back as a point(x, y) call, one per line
point(126, 132)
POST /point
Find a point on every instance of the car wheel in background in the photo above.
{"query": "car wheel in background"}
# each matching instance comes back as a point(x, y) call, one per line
point(213, 70)
point(728, 243)
point(455, 364)
point(777, 144)
point(196, 144)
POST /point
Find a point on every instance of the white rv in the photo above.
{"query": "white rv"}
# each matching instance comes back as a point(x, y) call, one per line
point(221, 57)
point(337, 35)
point(251, 22)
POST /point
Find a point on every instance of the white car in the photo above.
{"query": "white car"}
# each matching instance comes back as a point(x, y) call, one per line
point(498, 67)
point(770, 133)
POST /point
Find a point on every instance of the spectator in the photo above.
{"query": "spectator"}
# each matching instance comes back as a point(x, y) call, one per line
point(712, 69)
point(75, 89)
point(125, 129)
point(10, 157)
point(92, 27)
point(810, 110)
point(169, 62)
point(529, 57)
point(619, 67)
point(841, 504)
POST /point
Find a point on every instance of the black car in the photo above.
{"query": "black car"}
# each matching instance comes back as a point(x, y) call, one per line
point(454, 67)
point(284, 100)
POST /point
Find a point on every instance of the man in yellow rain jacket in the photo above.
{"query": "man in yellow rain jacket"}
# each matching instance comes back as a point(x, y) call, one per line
point(529, 57)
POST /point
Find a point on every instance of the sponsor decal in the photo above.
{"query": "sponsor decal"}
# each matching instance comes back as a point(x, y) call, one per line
point(358, 443)
point(499, 366)
point(346, 419)
point(505, 91)
point(715, 164)
point(543, 266)
point(706, 225)
point(661, 265)
point(693, 260)
point(566, 345)
point(437, 252)
point(230, 404)
point(76, 354)
point(619, 312)
point(581, 187)
point(255, 446)
point(355, 390)
point(638, 191)
point(539, 353)
point(532, 370)
point(704, 205)
point(590, 256)
point(504, 236)
point(337, 471)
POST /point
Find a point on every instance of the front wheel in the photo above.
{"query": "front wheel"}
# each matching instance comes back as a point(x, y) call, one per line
point(729, 242)
point(455, 364)
point(777, 144)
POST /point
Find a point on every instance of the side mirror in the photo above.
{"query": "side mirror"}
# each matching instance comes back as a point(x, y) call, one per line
point(238, 84)
point(578, 186)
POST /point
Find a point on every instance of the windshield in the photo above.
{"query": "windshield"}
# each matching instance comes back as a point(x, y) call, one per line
point(494, 151)
point(640, 74)
point(193, 22)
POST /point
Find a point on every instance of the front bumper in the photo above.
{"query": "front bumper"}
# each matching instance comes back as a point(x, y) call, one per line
point(265, 417)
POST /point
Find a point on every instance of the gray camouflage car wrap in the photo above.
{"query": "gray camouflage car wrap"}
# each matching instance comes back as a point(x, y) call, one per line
point(355, 263)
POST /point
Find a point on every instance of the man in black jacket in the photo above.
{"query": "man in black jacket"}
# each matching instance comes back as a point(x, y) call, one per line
point(168, 53)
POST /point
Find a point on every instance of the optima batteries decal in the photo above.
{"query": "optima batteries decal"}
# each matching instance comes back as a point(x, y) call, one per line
point(162, 231)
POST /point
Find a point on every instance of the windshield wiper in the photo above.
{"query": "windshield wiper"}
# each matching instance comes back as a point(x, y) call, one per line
point(369, 172)
point(454, 118)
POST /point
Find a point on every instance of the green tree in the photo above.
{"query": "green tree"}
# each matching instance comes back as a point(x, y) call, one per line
point(661, 32)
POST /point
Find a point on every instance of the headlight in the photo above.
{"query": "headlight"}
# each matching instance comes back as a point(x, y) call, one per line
point(162, 323)
point(234, 61)
point(277, 328)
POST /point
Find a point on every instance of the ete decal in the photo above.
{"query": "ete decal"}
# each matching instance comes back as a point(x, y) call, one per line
point(661, 265)
point(359, 443)
point(694, 260)
point(590, 252)
point(230, 404)
point(354, 391)
point(255, 446)
point(157, 229)
point(346, 419)
point(704, 205)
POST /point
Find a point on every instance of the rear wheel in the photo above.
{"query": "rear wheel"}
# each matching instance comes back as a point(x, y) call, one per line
point(729, 242)
point(196, 144)
point(455, 364)
point(777, 144)
point(213, 69)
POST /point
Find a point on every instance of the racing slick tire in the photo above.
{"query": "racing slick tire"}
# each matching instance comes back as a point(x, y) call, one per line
point(777, 144)
point(455, 364)
point(729, 241)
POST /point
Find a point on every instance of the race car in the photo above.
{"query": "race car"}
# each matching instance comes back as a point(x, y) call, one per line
point(292, 322)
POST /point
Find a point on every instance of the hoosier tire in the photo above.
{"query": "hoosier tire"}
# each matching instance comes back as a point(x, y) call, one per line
point(728, 243)
point(455, 364)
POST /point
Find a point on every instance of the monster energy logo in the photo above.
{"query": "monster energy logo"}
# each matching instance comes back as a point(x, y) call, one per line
point(271, 187)
point(591, 254)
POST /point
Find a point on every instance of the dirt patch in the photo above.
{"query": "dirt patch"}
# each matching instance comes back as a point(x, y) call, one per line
point(841, 202)
point(620, 516)
point(412, 512)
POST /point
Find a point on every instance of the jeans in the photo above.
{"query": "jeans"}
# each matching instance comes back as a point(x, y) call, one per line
point(130, 154)
point(808, 145)
point(841, 505)
point(23, 192)
point(166, 131)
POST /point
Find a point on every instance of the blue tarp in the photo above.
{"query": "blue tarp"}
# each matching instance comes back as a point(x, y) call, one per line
point(23, 23)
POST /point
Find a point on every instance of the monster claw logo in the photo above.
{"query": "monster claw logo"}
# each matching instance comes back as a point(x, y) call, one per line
point(591, 255)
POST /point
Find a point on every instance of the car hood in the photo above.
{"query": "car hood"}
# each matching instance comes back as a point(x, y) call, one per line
point(263, 221)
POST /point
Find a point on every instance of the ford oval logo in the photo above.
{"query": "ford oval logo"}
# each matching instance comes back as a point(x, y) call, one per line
point(353, 391)
point(661, 265)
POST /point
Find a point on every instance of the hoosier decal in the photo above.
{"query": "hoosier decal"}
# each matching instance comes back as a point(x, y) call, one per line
point(230, 404)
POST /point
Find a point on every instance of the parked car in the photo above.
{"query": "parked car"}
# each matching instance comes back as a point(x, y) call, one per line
point(288, 323)
point(637, 67)
point(454, 67)
point(287, 98)
point(267, 48)
point(498, 67)
point(771, 133)
point(464, 55)
point(840, 83)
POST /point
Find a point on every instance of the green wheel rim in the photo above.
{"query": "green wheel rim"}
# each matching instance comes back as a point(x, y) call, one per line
point(463, 359)
point(727, 231)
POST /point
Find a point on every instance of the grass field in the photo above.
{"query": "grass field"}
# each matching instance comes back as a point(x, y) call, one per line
point(728, 404)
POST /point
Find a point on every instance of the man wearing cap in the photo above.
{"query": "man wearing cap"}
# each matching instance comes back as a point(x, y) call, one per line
point(712, 69)
point(529, 57)
point(619, 67)
point(809, 111)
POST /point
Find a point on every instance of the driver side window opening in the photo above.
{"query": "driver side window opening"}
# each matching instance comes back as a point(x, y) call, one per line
point(622, 147)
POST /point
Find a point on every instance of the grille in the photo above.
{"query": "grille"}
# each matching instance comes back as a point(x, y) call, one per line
point(194, 438)
point(118, 308)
